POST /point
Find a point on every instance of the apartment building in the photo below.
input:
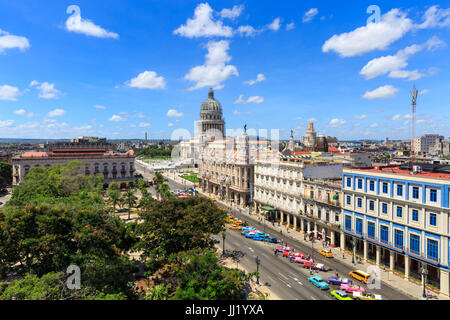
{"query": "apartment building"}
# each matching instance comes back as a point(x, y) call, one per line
point(303, 194)
point(399, 220)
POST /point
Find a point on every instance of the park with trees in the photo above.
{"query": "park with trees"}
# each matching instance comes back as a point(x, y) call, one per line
point(58, 217)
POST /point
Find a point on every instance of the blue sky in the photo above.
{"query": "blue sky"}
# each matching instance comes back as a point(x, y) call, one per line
point(129, 67)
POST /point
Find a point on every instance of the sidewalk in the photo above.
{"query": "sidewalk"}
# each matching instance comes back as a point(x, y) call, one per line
point(407, 287)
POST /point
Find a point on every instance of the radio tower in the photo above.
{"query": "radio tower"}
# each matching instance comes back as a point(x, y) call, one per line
point(414, 94)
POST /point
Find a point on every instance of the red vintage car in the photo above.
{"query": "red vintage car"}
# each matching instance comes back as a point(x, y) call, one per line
point(286, 253)
point(297, 255)
point(314, 266)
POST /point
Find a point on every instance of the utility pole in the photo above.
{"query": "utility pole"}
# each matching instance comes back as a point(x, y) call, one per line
point(414, 94)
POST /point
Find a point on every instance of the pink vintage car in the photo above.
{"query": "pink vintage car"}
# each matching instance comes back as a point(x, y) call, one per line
point(352, 288)
point(303, 260)
point(282, 249)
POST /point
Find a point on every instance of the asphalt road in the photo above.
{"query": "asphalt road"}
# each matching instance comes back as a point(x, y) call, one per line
point(289, 281)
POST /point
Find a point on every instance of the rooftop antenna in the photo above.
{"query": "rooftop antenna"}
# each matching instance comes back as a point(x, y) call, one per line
point(414, 94)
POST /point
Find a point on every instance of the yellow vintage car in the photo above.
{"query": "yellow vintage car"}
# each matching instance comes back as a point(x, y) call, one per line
point(327, 253)
point(239, 222)
point(235, 227)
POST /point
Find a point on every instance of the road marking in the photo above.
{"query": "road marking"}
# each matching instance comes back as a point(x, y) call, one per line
point(283, 276)
point(251, 249)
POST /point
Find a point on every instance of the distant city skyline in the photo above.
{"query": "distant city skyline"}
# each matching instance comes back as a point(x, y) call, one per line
point(72, 69)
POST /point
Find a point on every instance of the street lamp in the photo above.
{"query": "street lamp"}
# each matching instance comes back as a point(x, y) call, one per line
point(424, 277)
point(223, 242)
point(258, 261)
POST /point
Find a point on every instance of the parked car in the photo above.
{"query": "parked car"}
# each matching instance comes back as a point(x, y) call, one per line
point(326, 252)
point(340, 295)
point(366, 296)
point(318, 282)
point(248, 229)
point(286, 253)
point(338, 280)
point(297, 255)
point(272, 240)
point(352, 288)
point(235, 227)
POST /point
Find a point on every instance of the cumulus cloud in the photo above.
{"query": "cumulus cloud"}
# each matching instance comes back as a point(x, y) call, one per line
point(23, 112)
point(394, 64)
point(56, 113)
point(259, 78)
point(424, 91)
point(6, 123)
point(116, 118)
point(75, 23)
point(374, 36)
point(363, 116)
point(215, 70)
point(9, 41)
point(47, 90)
point(309, 15)
point(204, 25)
point(334, 123)
point(400, 117)
point(290, 26)
point(147, 80)
point(8, 93)
point(247, 31)
point(383, 92)
point(374, 125)
point(250, 100)
point(172, 113)
point(435, 17)
point(232, 13)
point(275, 25)
point(170, 124)
point(100, 107)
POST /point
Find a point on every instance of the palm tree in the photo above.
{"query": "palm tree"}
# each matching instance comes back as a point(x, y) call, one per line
point(129, 199)
point(114, 197)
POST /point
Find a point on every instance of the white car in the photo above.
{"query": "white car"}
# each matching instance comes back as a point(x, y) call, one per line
point(366, 296)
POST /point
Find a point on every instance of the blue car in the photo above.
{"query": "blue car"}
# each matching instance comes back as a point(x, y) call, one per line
point(259, 238)
point(318, 282)
point(273, 240)
point(250, 235)
point(248, 229)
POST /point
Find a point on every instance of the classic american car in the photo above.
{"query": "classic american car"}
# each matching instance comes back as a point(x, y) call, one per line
point(325, 252)
point(340, 295)
point(338, 280)
point(314, 266)
point(352, 288)
point(297, 255)
point(366, 296)
point(235, 227)
point(303, 260)
point(248, 229)
point(318, 282)
point(281, 249)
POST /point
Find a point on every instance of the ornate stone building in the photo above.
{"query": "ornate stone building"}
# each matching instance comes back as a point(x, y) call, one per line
point(97, 157)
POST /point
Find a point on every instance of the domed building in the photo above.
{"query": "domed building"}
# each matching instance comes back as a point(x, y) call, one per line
point(211, 123)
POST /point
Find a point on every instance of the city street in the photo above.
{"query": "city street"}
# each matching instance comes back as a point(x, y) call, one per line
point(287, 280)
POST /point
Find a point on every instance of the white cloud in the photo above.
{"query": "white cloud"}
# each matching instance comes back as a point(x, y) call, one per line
point(23, 112)
point(290, 26)
point(400, 117)
point(310, 14)
point(383, 92)
point(363, 116)
point(259, 78)
point(275, 25)
point(232, 13)
point(9, 41)
point(247, 31)
point(8, 93)
point(100, 107)
point(405, 74)
point(203, 25)
point(144, 124)
point(215, 70)
point(147, 80)
point(394, 64)
point(374, 36)
point(424, 91)
point(374, 125)
point(6, 123)
point(56, 113)
point(253, 99)
point(75, 23)
point(298, 118)
point(170, 124)
point(334, 123)
point(172, 113)
point(241, 112)
point(116, 118)
point(435, 17)
point(47, 90)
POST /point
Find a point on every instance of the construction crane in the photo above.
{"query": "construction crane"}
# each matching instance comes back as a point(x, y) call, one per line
point(414, 94)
